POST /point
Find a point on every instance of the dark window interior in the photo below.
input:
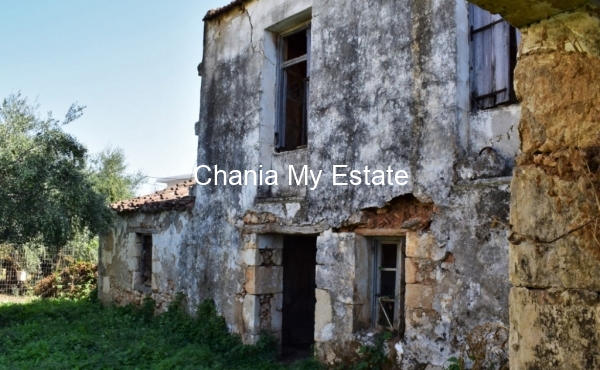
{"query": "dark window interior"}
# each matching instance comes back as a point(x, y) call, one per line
point(291, 130)
point(387, 283)
point(146, 260)
point(295, 45)
point(295, 106)
point(388, 307)
point(389, 255)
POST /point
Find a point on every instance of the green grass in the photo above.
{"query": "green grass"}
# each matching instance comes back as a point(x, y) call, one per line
point(68, 334)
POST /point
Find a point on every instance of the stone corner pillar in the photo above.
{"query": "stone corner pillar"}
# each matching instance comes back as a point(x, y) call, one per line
point(555, 213)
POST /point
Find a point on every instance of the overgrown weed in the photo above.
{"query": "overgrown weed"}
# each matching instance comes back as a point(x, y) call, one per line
point(66, 333)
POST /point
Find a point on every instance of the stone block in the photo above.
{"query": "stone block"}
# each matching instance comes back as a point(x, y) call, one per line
point(154, 283)
point(339, 280)
point(258, 257)
point(251, 314)
point(270, 241)
point(277, 257)
point(423, 246)
point(343, 318)
point(250, 241)
point(552, 120)
point(134, 250)
point(583, 24)
point(554, 329)
point(323, 316)
point(410, 271)
point(534, 265)
point(105, 284)
point(252, 257)
point(546, 208)
point(543, 206)
point(334, 248)
point(419, 296)
point(428, 272)
point(264, 279)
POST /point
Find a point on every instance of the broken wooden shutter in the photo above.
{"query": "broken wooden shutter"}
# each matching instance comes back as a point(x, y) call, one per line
point(493, 58)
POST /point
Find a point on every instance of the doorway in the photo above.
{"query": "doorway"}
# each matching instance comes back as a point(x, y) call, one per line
point(298, 311)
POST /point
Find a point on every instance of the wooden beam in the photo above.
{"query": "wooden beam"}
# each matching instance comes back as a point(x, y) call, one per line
point(274, 228)
point(380, 232)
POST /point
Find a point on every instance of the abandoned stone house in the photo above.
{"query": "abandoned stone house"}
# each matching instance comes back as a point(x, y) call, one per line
point(420, 86)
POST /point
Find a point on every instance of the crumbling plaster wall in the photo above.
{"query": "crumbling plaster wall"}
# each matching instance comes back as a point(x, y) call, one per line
point(456, 273)
point(232, 114)
point(120, 252)
point(388, 87)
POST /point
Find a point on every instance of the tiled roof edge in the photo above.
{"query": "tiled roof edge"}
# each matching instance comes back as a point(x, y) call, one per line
point(175, 198)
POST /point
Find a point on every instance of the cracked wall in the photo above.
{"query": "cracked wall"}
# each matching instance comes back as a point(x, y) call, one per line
point(120, 254)
point(389, 86)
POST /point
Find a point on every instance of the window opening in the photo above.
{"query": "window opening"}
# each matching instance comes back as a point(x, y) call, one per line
point(493, 48)
point(388, 284)
point(294, 78)
point(146, 260)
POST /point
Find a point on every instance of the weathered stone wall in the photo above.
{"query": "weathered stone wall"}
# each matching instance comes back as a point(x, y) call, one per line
point(454, 273)
point(237, 112)
point(119, 260)
point(555, 253)
point(388, 87)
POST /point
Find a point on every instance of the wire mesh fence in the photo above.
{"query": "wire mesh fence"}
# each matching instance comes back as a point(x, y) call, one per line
point(22, 267)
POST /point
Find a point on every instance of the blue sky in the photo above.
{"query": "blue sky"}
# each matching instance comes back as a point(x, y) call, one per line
point(132, 63)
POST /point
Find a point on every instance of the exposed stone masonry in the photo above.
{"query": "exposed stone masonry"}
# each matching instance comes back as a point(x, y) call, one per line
point(555, 248)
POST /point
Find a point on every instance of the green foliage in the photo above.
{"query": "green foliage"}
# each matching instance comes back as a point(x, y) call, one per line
point(372, 357)
point(109, 175)
point(307, 364)
point(79, 334)
point(46, 193)
point(73, 282)
point(455, 364)
point(83, 247)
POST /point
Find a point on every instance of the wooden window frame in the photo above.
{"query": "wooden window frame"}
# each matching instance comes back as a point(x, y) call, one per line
point(398, 320)
point(280, 125)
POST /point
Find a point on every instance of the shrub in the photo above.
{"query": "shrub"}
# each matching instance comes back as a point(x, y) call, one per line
point(75, 281)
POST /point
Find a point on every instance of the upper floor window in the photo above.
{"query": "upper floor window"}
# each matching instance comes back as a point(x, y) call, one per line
point(294, 77)
point(493, 58)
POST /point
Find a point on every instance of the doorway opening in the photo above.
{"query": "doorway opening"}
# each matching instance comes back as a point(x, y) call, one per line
point(298, 311)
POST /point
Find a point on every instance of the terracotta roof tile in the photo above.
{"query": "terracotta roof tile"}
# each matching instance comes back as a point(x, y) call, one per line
point(175, 198)
point(214, 13)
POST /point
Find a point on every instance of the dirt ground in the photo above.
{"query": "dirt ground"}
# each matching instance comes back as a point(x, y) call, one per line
point(14, 299)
